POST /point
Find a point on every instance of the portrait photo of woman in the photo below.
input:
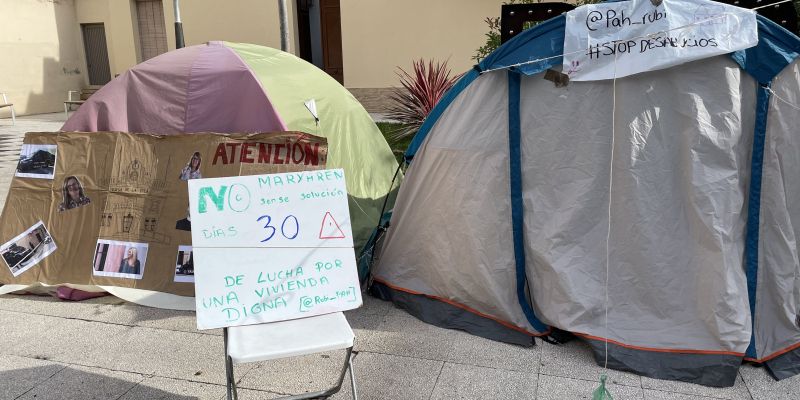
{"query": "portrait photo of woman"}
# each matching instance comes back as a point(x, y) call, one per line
point(73, 196)
point(192, 168)
point(119, 259)
point(130, 263)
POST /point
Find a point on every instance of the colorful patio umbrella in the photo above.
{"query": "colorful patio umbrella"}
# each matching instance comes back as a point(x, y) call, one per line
point(234, 87)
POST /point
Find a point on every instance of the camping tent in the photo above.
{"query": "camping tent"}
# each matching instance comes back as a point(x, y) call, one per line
point(240, 88)
point(228, 87)
point(512, 208)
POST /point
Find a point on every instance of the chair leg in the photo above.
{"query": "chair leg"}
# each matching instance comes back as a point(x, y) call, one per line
point(323, 394)
point(348, 358)
point(232, 394)
point(352, 377)
point(66, 111)
point(13, 117)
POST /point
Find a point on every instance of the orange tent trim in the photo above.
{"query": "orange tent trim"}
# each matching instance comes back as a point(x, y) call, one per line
point(775, 354)
point(657, 350)
point(465, 308)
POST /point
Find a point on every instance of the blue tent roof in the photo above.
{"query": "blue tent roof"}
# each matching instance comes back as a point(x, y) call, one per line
point(776, 48)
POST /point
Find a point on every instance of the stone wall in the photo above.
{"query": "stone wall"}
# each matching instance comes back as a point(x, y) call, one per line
point(374, 100)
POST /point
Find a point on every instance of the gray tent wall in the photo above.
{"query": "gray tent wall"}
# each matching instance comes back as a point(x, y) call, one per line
point(500, 227)
point(774, 260)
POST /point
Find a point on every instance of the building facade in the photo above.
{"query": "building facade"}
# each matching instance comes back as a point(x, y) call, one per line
point(48, 47)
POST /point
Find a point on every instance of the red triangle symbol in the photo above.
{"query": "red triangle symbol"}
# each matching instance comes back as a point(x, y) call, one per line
point(330, 228)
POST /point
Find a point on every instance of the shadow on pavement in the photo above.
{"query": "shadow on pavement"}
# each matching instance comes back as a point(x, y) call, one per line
point(101, 309)
point(58, 382)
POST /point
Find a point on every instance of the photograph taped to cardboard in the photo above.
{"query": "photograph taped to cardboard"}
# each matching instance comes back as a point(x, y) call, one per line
point(184, 224)
point(72, 194)
point(37, 161)
point(28, 248)
point(119, 259)
point(184, 265)
point(192, 168)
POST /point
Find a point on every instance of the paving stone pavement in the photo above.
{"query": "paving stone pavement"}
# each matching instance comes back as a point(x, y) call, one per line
point(106, 348)
point(11, 141)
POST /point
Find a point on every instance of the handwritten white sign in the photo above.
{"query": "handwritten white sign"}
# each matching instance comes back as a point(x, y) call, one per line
point(608, 40)
point(271, 248)
point(298, 209)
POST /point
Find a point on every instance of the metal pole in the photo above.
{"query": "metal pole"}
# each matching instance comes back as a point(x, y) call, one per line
point(284, 25)
point(179, 44)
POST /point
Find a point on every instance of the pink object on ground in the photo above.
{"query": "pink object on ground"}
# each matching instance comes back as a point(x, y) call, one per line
point(67, 293)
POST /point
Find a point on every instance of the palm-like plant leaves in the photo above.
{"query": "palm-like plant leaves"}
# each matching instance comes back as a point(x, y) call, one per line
point(421, 90)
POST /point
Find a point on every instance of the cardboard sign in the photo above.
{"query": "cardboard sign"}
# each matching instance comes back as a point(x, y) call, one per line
point(112, 209)
point(607, 40)
point(272, 247)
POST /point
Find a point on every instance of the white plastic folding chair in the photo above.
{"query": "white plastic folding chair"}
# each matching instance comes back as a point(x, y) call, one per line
point(294, 338)
point(4, 104)
point(71, 102)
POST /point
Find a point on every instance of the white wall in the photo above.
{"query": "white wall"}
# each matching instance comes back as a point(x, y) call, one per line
point(39, 56)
